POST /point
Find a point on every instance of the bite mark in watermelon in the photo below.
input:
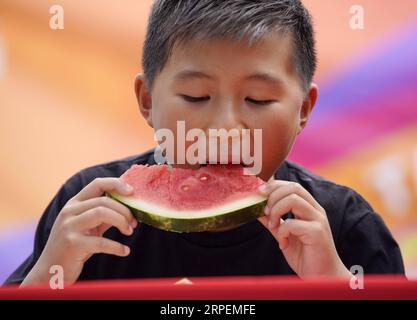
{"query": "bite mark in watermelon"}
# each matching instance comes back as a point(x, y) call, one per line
point(185, 200)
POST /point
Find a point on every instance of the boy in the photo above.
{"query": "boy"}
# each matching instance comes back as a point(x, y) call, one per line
point(219, 64)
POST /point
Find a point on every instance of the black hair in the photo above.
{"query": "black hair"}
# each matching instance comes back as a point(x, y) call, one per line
point(177, 21)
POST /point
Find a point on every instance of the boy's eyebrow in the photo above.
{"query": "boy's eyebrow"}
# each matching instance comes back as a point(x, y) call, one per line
point(194, 74)
point(266, 77)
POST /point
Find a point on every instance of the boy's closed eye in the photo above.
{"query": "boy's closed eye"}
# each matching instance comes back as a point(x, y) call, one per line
point(206, 98)
point(195, 99)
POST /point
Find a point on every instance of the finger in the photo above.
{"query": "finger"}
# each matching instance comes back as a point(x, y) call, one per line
point(100, 185)
point(264, 220)
point(297, 228)
point(100, 230)
point(104, 245)
point(107, 202)
point(270, 186)
point(297, 205)
point(98, 216)
point(282, 190)
point(103, 228)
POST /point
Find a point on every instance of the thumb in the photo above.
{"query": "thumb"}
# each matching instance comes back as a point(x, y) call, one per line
point(264, 220)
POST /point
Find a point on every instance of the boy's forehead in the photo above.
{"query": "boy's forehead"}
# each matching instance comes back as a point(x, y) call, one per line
point(270, 52)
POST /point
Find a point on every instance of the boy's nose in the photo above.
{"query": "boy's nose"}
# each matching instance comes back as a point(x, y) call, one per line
point(227, 118)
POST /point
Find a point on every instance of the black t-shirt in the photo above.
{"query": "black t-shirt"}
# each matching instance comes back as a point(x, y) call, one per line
point(360, 236)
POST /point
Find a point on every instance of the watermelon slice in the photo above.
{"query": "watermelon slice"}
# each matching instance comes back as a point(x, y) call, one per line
point(212, 197)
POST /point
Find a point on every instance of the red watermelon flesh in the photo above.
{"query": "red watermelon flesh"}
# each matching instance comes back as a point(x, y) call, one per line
point(188, 189)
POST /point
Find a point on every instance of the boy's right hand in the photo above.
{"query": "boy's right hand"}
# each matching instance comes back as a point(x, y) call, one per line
point(78, 230)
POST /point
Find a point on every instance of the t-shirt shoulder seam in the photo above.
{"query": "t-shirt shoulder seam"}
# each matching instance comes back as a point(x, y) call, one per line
point(353, 227)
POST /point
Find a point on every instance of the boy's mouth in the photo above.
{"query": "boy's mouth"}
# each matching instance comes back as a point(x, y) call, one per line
point(228, 164)
point(201, 165)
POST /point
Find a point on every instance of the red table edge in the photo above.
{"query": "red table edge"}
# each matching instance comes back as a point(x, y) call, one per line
point(225, 288)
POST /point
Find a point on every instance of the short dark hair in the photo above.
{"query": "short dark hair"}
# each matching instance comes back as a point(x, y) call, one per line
point(178, 21)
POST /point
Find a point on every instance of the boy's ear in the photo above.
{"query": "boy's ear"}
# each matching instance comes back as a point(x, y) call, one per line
point(143, 95)
point(308, 105)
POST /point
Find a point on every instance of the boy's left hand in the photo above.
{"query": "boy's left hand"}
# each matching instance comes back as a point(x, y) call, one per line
point(306, 241)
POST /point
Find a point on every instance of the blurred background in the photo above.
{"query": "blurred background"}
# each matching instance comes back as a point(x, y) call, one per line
point(67, 102)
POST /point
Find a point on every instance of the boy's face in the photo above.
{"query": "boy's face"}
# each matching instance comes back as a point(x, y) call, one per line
point(237, 87)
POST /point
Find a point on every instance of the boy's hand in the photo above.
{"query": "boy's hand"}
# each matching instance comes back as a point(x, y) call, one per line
point(78, 230)
point(306, 241)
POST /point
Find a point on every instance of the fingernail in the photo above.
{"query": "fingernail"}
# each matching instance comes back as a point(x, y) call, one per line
point(134, 223)
point(266, 210)
point(270, 224)
point(128, 187)
point(126, 250)
point(130, 230)
point(263, 188)
point(280, 246)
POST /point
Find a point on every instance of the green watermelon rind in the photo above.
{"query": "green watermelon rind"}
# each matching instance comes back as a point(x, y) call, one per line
point(223, 220)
